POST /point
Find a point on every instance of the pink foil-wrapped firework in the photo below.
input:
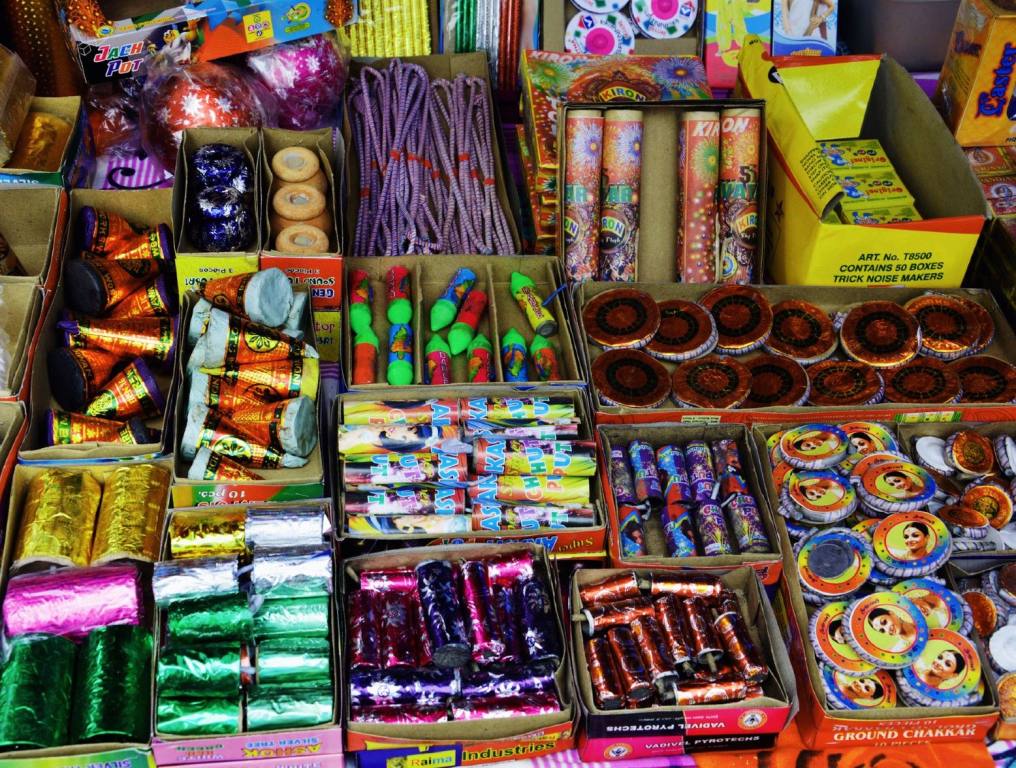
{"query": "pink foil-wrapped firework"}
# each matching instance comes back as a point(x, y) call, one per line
point(406, 500)
point(534, 457)
point(698, 173)
point(398, 632)
point(740, 131)
point(364, 631)
point(398, 714)
point(396, 438)
point(505, 570)
point(439, 413)
point(383, 469)
point(389, 580)
point(481, 618)
point(500, 707)
point(73, 602)
point(505, 517)
point(619, 206)
point(584, 137)
point(532, 489)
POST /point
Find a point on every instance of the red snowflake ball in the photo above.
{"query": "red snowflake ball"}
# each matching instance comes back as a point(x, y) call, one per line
point(199, 94)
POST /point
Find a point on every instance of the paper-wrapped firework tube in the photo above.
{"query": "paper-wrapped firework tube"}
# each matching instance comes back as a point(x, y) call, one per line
point(198, 320)
point(215, 466)
point(292, 424)
point(265, 297)
point(295, 320)
point(217, 340)
point(202, 421)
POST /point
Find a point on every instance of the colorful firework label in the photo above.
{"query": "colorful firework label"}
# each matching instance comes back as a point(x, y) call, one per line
point(740, 134)
point(622, 175)
point(584, 136)
point(698, 173)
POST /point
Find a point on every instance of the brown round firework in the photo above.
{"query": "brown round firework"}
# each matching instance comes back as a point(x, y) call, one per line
point(630, 378)
point(880, 333)
point(985, 379)
point(744, 318)
point(713, 381)
point(776, 381)
point(686, 331)
point(962, 517)
point(844, 382)
point(622, 318)
point(802, 331)
point(984, 319)
point(949, 327)
point(984, 610)
point(924, 380)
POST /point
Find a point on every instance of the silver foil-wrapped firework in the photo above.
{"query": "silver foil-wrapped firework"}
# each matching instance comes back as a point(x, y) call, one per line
point(297, 573)
point(175, 581)
point(445, 624)
point(678, 531)
point(501, 708)
point(541, 639)
point(481, 619)
point(701, 474)
point(712, 530)
point(267, 528)
point(676, 487)
point(621, 479)
point(422, 687)
point(746, 523)
point(648, 489)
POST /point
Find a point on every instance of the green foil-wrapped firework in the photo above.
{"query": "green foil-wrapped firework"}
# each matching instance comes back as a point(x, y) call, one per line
point(306, 617)
point(294, 660)
point(198, 717)
point(274, 707)
point(295, 573)
point(214, 618)
point(112, 686)
point(207, 670)
point(35, 692)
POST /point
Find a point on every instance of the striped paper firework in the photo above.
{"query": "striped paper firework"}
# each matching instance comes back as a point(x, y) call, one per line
point(738, 193)
point(698, 172)
point(584, 136)
point(622, 175)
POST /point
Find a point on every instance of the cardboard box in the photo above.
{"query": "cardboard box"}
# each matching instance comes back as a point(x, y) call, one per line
point(17, 86)
point(821, 726)
point(19, 323)
point(34, 222)
point(975, 85)
point(447, 66)
point(558, 13)
point(475, 741)
point(578, 542)
point(306, 482)
point(796, 33)
point(429, 278)
point(140, 29)
point(13, 425)
point(67, 108)
point(768, 566)
point(727, 26)
point(659, 217)
point(752, 724)
point(148, 207)
point(876, 99)
point(277, 748)
point(829, 299)
point(992, 267)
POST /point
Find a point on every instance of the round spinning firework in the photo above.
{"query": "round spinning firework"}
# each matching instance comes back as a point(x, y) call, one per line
point(866, 437)
point(817, 497)
point(896, 486)
point(801, 331)
point(1007, 695)
point(814, 446)
point(946, 674)
point(664, 19)
point(600, 6)
point(874, 691)
point(922, 380)
point(880, 333)
point(984, 319)
point(985, 379)
point(776, 381)
point(630, 378)
point(744, 318)
point(886, 629)
point(602, 34)
point(713, 381)
point(826, 630)
point(930, 452)
point(843, 383)
point(1007, 583)
point(1005, 454)
point(991, 500)
point(833, 562)
point(686, 331)
point(867, 527)
point(984, 612)
point(942, 608)
point(870, 460)
point(970, 453)
point(781, 470)
point(949, 328)
point(621, 318)
point(909, 544)
point(964, 521)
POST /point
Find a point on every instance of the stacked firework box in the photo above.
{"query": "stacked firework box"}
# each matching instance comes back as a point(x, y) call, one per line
point(702, 162)
point(97, 594)
point(898, 656)
point(248, 663)
point(449, 668)
point(407, 484)
point(669, 664)
point(663, 487)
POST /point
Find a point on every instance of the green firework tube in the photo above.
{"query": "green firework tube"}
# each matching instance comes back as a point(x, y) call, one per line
point(400, 308)
point(273, 707)
point(35, 692)
point(443, 311)
point(215, 618)
point(540, 319)
point(207, 670)
point(361, 296)
point(294, 660)
point(111, 687)
point(544, 360)
point(307, 617)
point(513, 356)
point(481, 360)
point(198, 717)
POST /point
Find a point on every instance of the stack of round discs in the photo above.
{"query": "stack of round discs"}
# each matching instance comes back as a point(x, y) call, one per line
point(220, 191)
point(300, 215)
point(605, 27)
point(991, 598)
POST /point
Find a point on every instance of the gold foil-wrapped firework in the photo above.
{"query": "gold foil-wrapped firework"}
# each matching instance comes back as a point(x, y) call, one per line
point(130, 518)
point(58, 518)
point(206, 532)
point(41, 143)
point(9, 264)
point(390, 29)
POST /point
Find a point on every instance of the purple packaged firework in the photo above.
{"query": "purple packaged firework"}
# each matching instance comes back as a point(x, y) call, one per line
point(701, 475)
point(647, 480)
point(712, 530)
point(541, 638)
point(621, 479)
point(441, 610)
point(670, 461)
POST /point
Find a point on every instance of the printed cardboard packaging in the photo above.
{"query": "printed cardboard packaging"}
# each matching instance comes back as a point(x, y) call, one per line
point(558, 13)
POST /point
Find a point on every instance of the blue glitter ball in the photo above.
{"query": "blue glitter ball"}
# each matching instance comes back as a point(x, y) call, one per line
point(220, 219)
point(214, 165)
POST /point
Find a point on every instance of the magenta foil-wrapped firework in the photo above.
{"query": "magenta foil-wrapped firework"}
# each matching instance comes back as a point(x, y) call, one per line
point(406, 500)
point(389, 580)
point(442, 612)
point(421, 687)
point(498, 707)
point(506, 605)
point(398, 630)
point(398, 714)
point(424, 651)
point(678, 532)
point(484, 683)
point(699, 462)
point(505, 570)
point(621, 479)
point(541, 637)
point(746, 523)
point(401, 468)
point(676, 488)
point(72, 602)
point(647, 479)
point(712, 530)
point(481, 619)
point(364, 631)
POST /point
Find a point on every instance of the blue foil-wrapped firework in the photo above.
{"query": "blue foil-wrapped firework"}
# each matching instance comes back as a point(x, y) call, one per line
point(440, 604)
point(541, 638)
point(676, 488)
point(220, 220)
point(632, 534)
point(678, 531)
point(746, 523)
point(620, 477)
point(398, 632)
point(517, 682)
point(701, 474)
point(481, 619)
point(364, 632)
point(424, 687)
point(712, 530)
point(214, 165)
point(506, 607)
point(647, 479)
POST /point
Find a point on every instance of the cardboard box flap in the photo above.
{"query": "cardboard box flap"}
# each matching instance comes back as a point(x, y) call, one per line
point(830, 113)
